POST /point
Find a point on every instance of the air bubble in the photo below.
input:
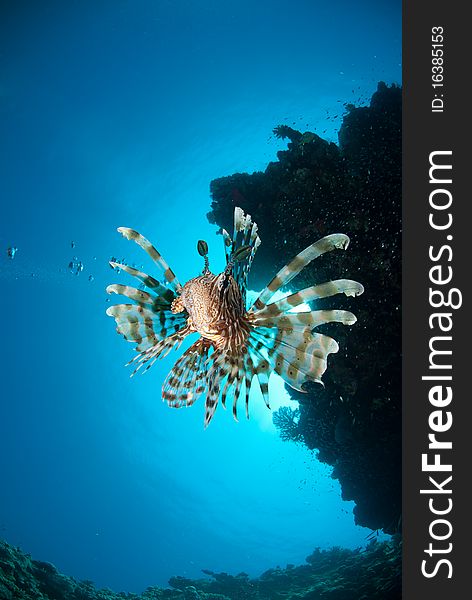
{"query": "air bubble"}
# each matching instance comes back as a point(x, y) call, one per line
point(76, 266)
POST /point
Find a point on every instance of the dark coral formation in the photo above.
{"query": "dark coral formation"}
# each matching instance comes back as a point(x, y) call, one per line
point(316, 188)
point(287, 421)
point(336, 574)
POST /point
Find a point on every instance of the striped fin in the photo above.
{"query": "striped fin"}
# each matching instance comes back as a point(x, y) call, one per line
point(148, 281)
point(142, 298)
point(249, 375)
point(233, 370)
point(261, 366)
point(186, 381)
point(304, 341)
point(324, 290)
point(287, 273)
point(151, 283)
point(294, 360)
point(144, 326)
point(237, 392)
point(232, 388)
point(131, 234)
point(211, 402)
point(139, 296)
point(226, 375)
point(262, 372)
point(245, 234)
point(146, 358)
point(228, 243)
point(301, 320)
point(296, 372)
point(217, 372)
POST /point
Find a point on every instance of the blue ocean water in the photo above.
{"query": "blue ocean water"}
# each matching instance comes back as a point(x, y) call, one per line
point(121, 113)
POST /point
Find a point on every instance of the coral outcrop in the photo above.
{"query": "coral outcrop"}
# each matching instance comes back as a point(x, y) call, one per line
point(336, 574)
point(313, 189)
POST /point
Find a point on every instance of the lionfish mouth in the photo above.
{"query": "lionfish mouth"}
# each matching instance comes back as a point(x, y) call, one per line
point(236, 343)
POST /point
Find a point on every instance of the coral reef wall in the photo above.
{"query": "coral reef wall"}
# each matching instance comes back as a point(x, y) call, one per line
point(316, 188)
point(336, 574)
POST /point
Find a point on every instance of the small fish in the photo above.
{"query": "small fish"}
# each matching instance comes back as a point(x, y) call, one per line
point(236, 343)
point(11, 251)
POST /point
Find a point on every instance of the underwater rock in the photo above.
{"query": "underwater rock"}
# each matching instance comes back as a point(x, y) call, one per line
point(336, 574)
point(316, 188)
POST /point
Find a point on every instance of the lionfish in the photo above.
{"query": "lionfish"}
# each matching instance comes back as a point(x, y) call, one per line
point(235, 342)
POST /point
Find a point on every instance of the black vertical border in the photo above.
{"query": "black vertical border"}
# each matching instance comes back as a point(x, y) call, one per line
point(424, 132)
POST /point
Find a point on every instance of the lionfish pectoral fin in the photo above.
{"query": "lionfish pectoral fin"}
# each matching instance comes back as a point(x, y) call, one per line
point(149, 320)
point(297, 355)
point(131, 234)
point(294, 351)
point(293, 268)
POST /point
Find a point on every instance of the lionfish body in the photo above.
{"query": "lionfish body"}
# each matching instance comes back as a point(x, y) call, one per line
point(236, 343)
point(216, 310)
